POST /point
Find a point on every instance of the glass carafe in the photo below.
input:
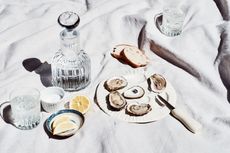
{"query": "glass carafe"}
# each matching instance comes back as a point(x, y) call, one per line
point(71, 66)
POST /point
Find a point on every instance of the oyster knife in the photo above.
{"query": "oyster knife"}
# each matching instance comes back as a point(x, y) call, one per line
point(183, 117)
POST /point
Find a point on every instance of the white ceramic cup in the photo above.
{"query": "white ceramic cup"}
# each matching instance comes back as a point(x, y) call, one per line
point(52, 99)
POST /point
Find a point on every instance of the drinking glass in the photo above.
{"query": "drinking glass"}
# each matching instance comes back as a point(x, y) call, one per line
point(25, 105)
point(173, 19)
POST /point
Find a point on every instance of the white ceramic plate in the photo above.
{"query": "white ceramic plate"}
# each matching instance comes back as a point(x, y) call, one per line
point(138, 78)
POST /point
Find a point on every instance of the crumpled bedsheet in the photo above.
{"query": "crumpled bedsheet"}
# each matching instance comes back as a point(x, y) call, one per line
point(197, 63)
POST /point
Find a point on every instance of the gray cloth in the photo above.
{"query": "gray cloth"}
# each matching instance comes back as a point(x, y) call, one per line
point(197, 63)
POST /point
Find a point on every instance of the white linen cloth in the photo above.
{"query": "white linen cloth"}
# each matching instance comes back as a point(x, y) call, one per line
point(197, 63)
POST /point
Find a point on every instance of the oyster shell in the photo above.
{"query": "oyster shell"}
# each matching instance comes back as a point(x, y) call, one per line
point(115, 83)
point(134, 92)
point(157, 83)
point(116, 100)
point(136, 109)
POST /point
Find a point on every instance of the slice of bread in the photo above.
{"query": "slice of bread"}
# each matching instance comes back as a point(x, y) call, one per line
point(134, 57)
point(116, 53)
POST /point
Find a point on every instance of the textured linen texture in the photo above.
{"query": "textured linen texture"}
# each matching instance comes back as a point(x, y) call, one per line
point(197, 63)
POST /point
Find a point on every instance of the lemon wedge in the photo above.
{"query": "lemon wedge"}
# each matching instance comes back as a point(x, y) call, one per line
point(80, 103)
point(60, 119)
point(65, 126)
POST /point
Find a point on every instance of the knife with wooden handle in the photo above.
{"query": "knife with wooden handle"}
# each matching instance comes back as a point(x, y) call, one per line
point(183, 117)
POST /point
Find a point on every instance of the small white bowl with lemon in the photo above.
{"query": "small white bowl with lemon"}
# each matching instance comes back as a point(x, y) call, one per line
point(65, 122)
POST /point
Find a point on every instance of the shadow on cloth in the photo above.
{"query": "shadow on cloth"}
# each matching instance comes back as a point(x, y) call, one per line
point(6, 112)
point(224, 70)
point(223, 58)
point(42, 69)
point(142, 35)
point(164, 52)
point(223, 7)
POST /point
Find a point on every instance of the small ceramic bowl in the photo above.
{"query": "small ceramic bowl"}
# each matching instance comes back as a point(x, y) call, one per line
point(52, 99)
point(75, 116)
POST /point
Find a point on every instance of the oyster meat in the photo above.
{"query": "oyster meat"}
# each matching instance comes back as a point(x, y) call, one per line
point(134, 92)
point(136, 109)
point(157, 83)
point(116, 100)
point(115, 83)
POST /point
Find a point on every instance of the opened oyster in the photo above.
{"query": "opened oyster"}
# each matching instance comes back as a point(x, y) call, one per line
point(116, 100)
point(115, 83)
point(157, 83)
point(136, 109)
point(134, 92)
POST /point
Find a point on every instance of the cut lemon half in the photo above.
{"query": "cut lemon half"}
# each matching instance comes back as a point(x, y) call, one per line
point(60, 119)
point(80, 103)
point(64, 127)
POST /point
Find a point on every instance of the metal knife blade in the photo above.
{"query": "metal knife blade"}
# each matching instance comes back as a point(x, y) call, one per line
point(171, 107)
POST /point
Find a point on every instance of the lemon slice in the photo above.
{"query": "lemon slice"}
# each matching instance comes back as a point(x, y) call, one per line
point(80, 103)
point(60, 119)
point(64, 127)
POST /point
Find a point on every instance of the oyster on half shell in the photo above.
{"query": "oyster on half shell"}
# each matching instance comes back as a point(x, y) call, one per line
point(115, 83)
point(136, 109)
point(134, 92)
point(116, 100)
point(157, 83)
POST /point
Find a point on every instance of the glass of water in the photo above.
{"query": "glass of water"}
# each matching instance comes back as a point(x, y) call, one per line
point(25, 105)
point(173, 19)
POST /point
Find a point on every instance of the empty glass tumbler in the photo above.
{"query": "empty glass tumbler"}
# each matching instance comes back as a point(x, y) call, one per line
point(25, 105)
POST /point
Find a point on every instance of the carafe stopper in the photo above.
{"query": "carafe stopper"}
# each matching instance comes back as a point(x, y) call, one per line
point(69, 20)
